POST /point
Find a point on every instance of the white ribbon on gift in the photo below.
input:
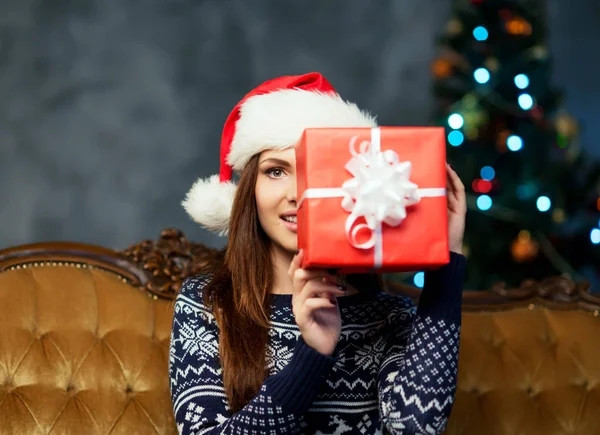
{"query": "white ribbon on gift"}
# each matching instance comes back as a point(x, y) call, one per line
point(380, 192)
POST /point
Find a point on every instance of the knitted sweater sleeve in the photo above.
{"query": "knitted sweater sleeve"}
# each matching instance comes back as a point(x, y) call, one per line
point(417, 378)
point(199, 400)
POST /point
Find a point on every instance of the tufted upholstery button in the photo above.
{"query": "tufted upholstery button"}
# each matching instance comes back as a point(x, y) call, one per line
point(498, 343)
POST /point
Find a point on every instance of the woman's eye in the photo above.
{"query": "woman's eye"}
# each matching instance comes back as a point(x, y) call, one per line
point(275, 173)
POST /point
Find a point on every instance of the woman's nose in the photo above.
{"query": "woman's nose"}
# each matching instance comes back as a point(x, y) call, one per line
point(291, 194)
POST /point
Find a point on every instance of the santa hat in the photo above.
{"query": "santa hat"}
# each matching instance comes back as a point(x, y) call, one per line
point(272, 116)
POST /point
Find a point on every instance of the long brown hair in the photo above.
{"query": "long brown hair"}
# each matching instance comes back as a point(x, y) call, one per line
point(239, 295)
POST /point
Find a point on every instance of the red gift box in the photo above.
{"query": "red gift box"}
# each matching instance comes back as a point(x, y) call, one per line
point(375, 162)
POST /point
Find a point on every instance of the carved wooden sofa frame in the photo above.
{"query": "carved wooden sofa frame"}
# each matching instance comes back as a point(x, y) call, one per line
point(159, 267)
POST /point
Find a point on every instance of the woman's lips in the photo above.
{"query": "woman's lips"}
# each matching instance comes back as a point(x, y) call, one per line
point(290, 223)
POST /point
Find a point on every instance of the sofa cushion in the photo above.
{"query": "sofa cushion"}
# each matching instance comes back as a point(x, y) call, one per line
point(528, 371)
point(82, 351)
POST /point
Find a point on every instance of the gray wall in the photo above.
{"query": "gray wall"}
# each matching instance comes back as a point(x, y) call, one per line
point(110, 109)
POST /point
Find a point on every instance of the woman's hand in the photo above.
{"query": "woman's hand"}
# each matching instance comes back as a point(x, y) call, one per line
point(315, 307)
point(457, 210)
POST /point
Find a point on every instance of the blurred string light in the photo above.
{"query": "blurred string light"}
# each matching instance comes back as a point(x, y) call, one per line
point(455, 138)
point(595, 236)
point(481, 75)
point(480, 33)
point(419, 279)
point(456, 121)
point(525, 101)
point(442, 68)
point(524, 248)
point(481, 186)
point(484, 202)
point(521, 81)
point(487, 173)
point(595, 233)
point(514, 142)
point(543, 203)
point(518, 26)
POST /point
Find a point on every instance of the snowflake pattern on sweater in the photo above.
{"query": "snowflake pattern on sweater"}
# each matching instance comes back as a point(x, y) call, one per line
point(394, 369)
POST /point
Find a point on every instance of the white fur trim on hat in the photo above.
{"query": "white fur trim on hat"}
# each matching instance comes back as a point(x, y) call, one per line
point(209, 203)
point(277, 119)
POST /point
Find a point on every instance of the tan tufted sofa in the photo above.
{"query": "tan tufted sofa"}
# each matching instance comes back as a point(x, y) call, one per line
point(84, 334)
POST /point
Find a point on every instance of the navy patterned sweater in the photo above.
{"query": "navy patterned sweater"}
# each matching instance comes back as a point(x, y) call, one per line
point(394, 369)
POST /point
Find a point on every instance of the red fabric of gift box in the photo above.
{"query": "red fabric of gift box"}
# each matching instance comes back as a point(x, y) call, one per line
point(419, 241)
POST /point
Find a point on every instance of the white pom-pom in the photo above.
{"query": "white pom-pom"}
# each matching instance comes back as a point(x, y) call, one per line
point(209, 203)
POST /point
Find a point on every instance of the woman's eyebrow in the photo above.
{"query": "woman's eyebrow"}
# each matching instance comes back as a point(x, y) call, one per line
point(276, 161)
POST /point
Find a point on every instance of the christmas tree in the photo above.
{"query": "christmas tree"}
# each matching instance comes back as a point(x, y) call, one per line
point(533, 195)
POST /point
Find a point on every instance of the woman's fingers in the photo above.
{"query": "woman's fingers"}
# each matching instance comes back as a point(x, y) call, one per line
point(307, 275)
point(312, 288)
point(300, 277)
point(295, 264)
point(454, 182)
point(314, 304)
point(318, 289)
point(456, 190)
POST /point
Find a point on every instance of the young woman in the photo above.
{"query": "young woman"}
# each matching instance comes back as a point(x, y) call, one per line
point(261, 346)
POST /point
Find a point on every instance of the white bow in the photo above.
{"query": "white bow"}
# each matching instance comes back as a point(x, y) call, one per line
point(380, 191)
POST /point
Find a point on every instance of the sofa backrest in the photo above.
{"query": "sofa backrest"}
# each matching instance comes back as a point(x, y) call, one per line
point(529, 360)
point(84, 335)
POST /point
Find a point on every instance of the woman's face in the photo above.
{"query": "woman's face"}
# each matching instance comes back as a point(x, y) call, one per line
point(276, 197)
